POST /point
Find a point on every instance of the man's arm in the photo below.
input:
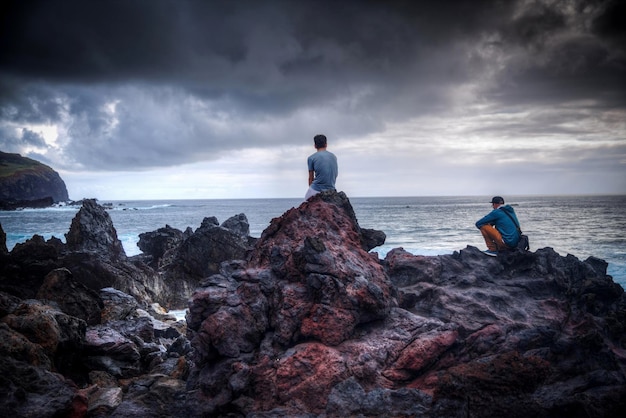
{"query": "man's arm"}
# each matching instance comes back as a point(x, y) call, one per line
point(311, 176)
point(487, 219)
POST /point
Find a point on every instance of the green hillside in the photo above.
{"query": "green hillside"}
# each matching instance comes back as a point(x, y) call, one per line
point(12, 163)
point(23, 180)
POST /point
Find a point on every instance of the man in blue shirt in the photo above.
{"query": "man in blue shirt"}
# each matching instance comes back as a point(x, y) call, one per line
point(323, 168)
point(500, 227)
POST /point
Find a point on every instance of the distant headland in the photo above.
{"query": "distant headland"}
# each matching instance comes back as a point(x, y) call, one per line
point(28, 183)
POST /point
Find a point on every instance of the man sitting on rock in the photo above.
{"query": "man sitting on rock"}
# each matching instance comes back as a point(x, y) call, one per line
point(500, 227)
point(322, 168)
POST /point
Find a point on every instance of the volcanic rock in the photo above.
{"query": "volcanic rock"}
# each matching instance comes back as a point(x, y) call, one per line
point(156, 243)
point(117, 305)
point(33, 391)
point(41, 336)
point(3, 241)
point(44, 202)
point(93, 255)
point(23, 270)
point(314, 325)
point(200, 254)
point(238, 224)
point(72, 297)
point(92, 231)
point(45, 354)
point(96, 258)
point(272, 326)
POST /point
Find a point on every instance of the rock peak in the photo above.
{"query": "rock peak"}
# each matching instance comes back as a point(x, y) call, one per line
point(92, 230)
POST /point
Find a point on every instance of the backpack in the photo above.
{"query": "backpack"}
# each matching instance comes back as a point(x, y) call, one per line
point(524, 243)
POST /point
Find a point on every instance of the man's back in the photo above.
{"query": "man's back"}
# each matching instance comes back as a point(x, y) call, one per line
point(324, 164)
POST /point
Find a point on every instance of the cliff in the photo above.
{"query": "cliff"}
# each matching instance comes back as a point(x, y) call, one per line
point(308, 323)
point(26, 183)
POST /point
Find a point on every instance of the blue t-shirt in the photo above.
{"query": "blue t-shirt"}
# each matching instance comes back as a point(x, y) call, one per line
point(324, 164)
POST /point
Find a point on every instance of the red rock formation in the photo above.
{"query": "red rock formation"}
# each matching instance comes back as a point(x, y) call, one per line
point(313, 324)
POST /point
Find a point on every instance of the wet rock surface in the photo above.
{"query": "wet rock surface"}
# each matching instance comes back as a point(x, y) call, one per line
point(201, 253)
point(306, 322)
point(53, 364)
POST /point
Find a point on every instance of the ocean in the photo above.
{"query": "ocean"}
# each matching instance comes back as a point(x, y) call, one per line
point(583, 226)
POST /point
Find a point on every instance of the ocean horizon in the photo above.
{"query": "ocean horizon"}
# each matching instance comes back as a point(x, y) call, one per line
point(581, 225)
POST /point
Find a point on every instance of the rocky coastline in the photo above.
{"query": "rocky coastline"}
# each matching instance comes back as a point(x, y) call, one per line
point(304, 321)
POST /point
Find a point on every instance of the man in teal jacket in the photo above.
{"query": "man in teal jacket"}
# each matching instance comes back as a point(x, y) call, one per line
point(499, 227)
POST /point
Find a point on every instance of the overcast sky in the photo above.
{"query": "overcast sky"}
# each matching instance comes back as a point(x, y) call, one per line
point(174, 99)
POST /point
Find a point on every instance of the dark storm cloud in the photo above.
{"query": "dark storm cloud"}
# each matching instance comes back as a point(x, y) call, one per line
point(154, 83)
point(95, 40)
point(267, 52)
point(29, 103)
point(567, 50)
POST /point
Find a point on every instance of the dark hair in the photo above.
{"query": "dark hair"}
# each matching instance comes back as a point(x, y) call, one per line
point(320, 141)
